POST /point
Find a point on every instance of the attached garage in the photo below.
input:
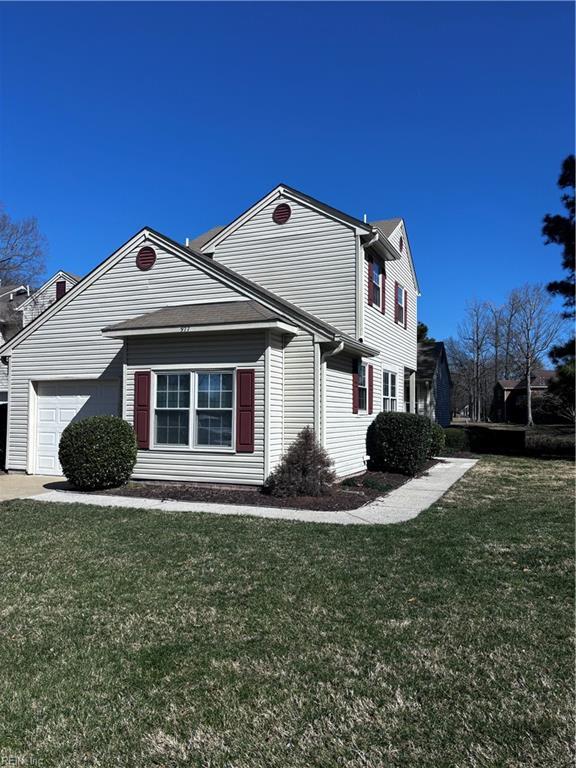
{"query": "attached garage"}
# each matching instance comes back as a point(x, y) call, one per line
point(57, 404)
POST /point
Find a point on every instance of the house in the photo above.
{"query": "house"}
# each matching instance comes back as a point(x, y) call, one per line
point(510, 402)
point(433, 383)
point(18, 306)
point(221, 351)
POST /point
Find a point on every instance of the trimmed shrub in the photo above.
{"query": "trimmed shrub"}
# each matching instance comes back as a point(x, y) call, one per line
point(304, 469)
point(98, 452)
point(486, 439)
point(455, 439)
point(399, 442)
point(437, 439)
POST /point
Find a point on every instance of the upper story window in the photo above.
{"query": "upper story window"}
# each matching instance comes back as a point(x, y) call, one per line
point(362, 388)
point(194, 409)
point(376, 284)
point(401, 305)
point(389, 401)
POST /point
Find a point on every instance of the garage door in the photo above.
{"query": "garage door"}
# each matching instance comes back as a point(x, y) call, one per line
point(59, 403)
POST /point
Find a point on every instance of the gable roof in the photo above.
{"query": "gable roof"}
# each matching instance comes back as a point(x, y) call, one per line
point(386, 226)
point(57, 276)
point(430, 354)
point(226, 275)
point(19, 294)
point(196, 243)
point(540, 379)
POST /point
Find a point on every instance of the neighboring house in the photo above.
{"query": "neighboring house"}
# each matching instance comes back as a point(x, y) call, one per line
point(52, 290)
point(221, 351)
point(11, 297)
point(433, 383)
point(19, 306)
point(510, 397)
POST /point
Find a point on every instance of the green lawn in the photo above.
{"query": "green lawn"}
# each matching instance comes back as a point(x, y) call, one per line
point(137, 638)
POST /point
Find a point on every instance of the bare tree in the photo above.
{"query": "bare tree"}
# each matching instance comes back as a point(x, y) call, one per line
point(474, 344)
point(534, 329)
point(22, 249)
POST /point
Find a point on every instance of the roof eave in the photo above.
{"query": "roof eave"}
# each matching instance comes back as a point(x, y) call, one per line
point(122, 333)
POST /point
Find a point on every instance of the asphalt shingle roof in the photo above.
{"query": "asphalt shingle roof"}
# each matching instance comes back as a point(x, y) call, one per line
point(213, 313)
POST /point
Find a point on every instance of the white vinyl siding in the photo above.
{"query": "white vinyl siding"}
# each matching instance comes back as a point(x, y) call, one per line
point(71, 344)
point(344, 431)
point(298, 385)
point(396, 344)
point(220, 351)
point(309, 261)
point(276, 435)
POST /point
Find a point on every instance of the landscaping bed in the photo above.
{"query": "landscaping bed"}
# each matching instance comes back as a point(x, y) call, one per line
point(352, 493)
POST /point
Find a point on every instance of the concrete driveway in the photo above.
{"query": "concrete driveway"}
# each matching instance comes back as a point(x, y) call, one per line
point(20, 486)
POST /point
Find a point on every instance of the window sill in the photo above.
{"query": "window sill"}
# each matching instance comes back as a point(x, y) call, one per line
point(188, 449)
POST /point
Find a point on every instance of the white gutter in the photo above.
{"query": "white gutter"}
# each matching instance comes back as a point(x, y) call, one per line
point(323, 358)
point(178, 329)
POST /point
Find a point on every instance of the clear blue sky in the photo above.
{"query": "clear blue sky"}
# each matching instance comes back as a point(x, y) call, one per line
point(455, 116)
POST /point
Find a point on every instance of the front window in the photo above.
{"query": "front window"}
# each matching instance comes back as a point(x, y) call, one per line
point(376, 282)
point(214, 410)
point(194, 408)
point(400, 304)
point(389, 402)
point(172, 409)
point(362, 389)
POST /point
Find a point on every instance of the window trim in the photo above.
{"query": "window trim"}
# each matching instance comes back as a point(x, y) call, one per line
point(376, 266)
point(389, 373)
point(192, 447)
point(365, 387)
point(402, 322)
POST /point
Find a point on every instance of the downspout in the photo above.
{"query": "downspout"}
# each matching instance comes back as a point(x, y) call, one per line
point(360, 251)
point(323, 358)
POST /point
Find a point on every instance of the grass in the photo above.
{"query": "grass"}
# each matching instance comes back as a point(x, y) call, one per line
point(136, 639)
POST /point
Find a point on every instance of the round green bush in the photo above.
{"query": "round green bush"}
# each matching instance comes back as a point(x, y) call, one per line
point(98, 452)
point(399, 442)
point(456, 439)
point(438, 439)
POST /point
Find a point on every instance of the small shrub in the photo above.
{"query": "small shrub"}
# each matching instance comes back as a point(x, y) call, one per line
point(485, 439)
point(304, 469)
point(399, 442)
point(98, 452)
point(437, 440)
point(455, 439)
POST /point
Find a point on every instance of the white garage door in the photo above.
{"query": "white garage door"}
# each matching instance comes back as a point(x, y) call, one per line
point(59, 403)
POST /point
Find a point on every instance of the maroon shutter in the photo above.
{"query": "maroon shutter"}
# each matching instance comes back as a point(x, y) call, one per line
point(142, 408)
point(245, 410)
point(405, 308)
point(370, 389)
point(383, 290)
point(60, 289)
point(395, 302)
point(355, 394)
point(370, 284)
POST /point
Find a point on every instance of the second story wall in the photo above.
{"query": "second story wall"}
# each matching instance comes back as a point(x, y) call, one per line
point(309, 260)
point(397, 344)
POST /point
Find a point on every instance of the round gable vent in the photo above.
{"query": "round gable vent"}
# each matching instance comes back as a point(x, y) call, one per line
point(146, 258)
point(281, 213)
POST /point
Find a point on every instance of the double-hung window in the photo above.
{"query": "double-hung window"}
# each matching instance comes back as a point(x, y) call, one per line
point(172, 413)
point(400, 304)
point(194, 409)
point(376, 284)
point(362, 388)
point(389, 391)
point(214, 410)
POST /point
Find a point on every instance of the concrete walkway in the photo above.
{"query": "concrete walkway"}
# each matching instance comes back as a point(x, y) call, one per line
point(19, 486)
point(402, 504)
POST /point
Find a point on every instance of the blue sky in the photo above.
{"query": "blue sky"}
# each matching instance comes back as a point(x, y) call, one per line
point(455, 116)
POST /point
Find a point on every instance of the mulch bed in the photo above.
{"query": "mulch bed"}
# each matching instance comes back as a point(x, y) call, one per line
point(351, 494)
